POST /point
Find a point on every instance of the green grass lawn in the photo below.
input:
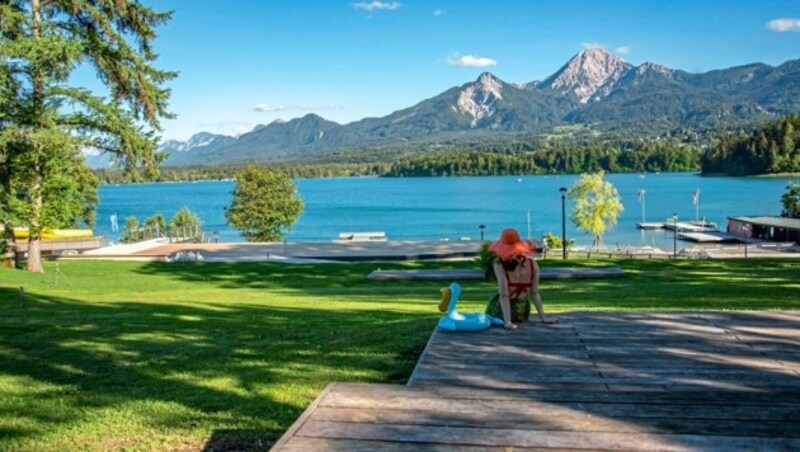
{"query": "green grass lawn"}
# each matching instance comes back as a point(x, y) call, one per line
point(184, 356)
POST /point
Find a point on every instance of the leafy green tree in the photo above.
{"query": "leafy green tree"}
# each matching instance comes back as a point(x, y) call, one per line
point(597, 205)
point(185, 218)
point(130, 229)
point(554, 241)
point(45, 123)
point(265, 203)
point(791, 201)
point(156, 221)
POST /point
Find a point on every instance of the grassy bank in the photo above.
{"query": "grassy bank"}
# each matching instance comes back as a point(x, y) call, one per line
point(172, 356)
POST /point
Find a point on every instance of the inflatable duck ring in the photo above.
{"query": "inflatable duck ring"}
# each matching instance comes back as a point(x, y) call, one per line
point(455, 321)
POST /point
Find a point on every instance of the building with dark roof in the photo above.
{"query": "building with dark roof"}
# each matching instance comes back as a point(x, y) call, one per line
point(774, 229)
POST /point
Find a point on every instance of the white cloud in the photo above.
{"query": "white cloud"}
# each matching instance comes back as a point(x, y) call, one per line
point(266, 108)
point(623, 50)
point(376, 5)
point(438, 12)
point(784, 24)
point(470, 61)
point(592, 45)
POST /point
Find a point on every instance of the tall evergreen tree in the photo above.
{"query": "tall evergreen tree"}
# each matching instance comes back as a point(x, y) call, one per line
point(46, 123)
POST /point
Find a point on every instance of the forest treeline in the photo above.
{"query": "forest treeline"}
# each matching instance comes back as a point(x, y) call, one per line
point(649, 156)
point(736, 151)
point(770, 149)
point(657, 155)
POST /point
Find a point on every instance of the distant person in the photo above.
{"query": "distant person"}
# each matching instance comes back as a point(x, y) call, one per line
point(114, 223)
point(517, 275)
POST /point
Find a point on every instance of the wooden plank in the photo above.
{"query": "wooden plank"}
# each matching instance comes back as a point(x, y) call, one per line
point(773, 398)
point(532, 371)
point(539, 438)
point(502, 367)
point(514, 380)
point(538, 410)
point(673, 350)
point(482, 382)
point(574, 356)
point(691, 369)
point(555, 419)
point(295, 427)
point(349, 445)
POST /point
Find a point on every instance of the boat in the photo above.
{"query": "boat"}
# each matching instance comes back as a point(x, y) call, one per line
point(650, 226)
point(692, 226)
point(377, 236)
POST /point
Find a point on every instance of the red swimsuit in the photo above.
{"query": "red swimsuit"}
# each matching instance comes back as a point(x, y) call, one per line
point(517, 289)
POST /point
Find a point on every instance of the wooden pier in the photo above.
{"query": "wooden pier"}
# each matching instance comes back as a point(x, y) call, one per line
point(636, 381)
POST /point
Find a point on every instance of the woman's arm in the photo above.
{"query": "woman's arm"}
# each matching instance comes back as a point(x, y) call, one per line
point(502, 286)
point(535, 297)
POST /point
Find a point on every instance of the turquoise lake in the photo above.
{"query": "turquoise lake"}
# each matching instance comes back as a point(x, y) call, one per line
point(452, 208)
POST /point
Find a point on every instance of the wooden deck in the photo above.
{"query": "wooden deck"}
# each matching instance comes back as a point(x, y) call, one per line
point(636, 381)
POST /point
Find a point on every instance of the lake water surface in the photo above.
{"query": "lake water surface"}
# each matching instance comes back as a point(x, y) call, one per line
point(452, 207)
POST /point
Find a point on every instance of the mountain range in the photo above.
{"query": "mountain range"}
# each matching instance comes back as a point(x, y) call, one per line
point(594, 88)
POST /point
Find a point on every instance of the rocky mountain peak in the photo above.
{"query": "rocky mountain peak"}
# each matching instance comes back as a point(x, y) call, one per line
point(653, 67)
point(479, 99)
point(588, 73)
point(195, 141)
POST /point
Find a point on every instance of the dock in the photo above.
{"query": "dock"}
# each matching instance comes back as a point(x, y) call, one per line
point(691, 226)
point(709, 237)
point(634, 381)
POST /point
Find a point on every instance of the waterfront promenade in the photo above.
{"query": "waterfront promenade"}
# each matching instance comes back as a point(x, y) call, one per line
point(346, 251)
point(633, 381)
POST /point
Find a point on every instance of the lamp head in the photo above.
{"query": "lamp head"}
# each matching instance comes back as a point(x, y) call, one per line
point(563, 191)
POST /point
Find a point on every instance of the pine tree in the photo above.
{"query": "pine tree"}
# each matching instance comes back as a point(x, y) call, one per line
point(46, 123)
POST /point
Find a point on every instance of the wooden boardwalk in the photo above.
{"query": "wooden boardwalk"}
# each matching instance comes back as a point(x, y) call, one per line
point(636, 381)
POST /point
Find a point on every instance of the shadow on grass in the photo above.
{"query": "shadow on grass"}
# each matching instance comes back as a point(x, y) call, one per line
point(243, 371)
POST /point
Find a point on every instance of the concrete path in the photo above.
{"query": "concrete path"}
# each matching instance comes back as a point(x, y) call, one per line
point(295, 251)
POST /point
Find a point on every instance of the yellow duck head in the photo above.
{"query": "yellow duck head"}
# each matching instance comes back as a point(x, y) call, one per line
point(446, 295)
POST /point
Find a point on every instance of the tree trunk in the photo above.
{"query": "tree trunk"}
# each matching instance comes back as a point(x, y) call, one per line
point(35, 229)
point(35, 255)
point(7, 258)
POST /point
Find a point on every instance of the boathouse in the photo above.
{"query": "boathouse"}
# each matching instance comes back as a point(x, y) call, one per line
point(774, 229)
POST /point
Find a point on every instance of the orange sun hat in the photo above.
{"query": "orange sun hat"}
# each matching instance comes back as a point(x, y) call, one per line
point(510, 244)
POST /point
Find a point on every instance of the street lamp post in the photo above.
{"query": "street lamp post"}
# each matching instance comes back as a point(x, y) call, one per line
point(481, 227)
point(675, 235)
point(563, 192)
point(746, 231)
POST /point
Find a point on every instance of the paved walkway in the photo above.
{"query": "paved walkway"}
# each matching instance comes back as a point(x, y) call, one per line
point(341, 251)
point(635, 381)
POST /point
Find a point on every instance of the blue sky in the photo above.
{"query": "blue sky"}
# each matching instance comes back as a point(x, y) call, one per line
point(249, 62)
